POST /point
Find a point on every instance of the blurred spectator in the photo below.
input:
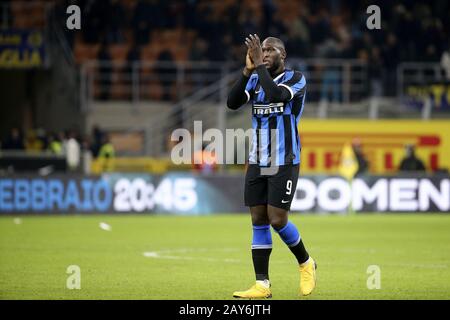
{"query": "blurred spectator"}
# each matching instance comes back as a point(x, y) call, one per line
point(134, 54)
point(61, 136)
point(104, 72)
point(268, 8)
point(147, 14)
point(92, 21)
point(319, 26)
point(33, 143)
point(42, 137)
point(86, 143)
point(205, 161)
point(375, 66)
point(107, 154)
point(107, 149)
point(190, 17)
point(72, 151)
point(166, 73)
point(86, 154)
point(363, 164)
point(445, 62)
point(391, 58)
point(142, 32)
point(198, 50)
point(214, 34)
point(249, 23)
point(431, 54)
point(115, 22)
point(331, 84)
point(298, 38)
point(97, 139)
point(411, 162)
point(14, 141)
point(231, 24)
point(411, 31)
point(420, 28)
point(131, 69)
point(55, 146)
point(198, 54)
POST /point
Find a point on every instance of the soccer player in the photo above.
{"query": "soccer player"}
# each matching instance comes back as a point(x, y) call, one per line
point(278, 97)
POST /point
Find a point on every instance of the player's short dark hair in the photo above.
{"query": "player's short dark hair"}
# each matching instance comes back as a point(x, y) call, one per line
point(278, 42)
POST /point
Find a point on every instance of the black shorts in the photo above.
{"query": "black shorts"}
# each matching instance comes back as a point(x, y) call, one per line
point(276, 189)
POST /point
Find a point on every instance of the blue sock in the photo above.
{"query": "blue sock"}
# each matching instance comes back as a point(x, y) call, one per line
point(289, 234)
point(261, 249)
point(262, 238)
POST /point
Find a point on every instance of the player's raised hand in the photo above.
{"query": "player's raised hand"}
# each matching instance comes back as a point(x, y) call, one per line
point(254, 49)
point(249, 65)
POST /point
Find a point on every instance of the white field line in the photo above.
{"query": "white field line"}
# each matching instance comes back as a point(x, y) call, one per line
point(178, 254)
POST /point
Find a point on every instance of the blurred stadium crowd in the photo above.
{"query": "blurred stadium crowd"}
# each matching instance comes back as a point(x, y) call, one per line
point(181, 31)
point(40, 140)
point(152, 30)
point(214, 30)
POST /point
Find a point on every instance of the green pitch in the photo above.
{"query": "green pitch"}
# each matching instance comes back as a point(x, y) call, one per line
point(171, 257)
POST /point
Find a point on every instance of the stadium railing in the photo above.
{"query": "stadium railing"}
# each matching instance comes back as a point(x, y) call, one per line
point(198, 91)
point(423, 86)
point(339, 80)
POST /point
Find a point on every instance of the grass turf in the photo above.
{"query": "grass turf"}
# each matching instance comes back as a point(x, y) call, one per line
point(209, 257)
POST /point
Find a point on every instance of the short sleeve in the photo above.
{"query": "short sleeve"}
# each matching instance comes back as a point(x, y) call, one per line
point(296, 84)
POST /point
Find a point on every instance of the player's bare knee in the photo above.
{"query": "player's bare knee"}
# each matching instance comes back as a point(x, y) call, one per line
point(259, 215)
point(278, 217)
point(278, 222)
point(259, 220)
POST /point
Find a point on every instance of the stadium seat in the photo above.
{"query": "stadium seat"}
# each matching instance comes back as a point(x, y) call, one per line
point(28, 15)
point(84, 52)
point(129, 4)
point(119, 52)
point(120, 90)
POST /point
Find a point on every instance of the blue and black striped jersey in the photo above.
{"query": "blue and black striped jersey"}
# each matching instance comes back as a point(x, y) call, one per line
point(275, 138)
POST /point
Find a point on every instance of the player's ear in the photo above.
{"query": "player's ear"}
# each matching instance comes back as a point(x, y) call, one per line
point(283, 53)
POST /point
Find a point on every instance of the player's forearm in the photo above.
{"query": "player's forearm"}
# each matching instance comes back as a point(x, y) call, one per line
point(273, 92)
point(237, 96)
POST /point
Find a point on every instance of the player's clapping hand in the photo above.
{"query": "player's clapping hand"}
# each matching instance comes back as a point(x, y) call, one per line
point(254, 49)
point(249, 65)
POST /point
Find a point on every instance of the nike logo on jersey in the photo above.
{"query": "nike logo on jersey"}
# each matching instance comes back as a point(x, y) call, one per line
point(284, 201)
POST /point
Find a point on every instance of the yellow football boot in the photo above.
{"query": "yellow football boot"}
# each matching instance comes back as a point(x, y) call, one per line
point(308, 277)
point(258, 291)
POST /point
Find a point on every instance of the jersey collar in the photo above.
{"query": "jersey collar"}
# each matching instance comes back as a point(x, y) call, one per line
point(278, 77)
